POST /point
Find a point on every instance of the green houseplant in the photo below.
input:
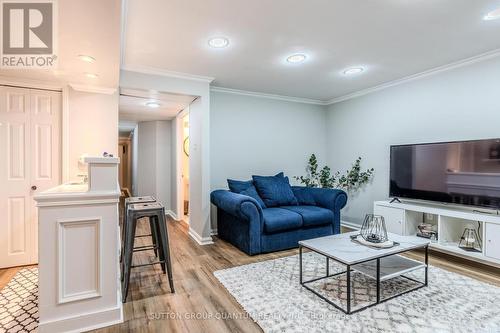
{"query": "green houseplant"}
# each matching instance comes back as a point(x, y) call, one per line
point(350, 181)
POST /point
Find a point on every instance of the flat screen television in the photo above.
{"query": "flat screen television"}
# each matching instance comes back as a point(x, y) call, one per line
point(465, 172)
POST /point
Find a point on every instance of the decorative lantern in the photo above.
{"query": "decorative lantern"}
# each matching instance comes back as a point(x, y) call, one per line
point(470, 240)
point(374, 229)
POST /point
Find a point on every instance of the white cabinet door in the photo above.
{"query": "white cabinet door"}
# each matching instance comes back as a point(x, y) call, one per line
point(393, 217)
point(30, 162)
point(492, 241)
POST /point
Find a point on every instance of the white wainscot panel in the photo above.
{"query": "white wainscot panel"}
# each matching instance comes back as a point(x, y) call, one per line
point(79, 259)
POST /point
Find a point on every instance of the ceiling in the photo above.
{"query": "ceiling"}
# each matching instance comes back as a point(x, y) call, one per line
point(133, 108)
point(392, 39)
point(85, 27)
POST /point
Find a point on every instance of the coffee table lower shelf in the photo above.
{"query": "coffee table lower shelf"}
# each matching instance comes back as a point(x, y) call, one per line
point(380, 269)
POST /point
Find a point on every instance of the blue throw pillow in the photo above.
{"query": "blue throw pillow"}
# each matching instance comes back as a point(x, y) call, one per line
point(237, 186)
point(252, 192)
point(275, 190)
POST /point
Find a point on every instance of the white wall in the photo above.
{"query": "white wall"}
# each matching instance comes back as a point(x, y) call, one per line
point(252, 135)
point(92, 126)
point(458, 104)
point(154, 162)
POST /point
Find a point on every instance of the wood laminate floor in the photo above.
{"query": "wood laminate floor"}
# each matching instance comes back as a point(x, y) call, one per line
point(200, 298)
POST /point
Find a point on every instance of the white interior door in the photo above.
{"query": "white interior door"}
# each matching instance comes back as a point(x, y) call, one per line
point(29, 145)
point(45, 155)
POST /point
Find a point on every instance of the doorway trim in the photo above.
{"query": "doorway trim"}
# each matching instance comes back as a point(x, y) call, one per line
point(178, 168)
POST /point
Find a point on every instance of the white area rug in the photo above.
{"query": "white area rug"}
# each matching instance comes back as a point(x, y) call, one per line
point(271, 294)
point(19, 303)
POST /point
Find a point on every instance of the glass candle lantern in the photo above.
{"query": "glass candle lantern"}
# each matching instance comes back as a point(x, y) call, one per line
point(374, 229)
point(470, 240)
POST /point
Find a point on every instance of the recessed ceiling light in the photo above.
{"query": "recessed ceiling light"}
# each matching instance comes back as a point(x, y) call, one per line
point(353, 70)
point(218, 42)
point(86, 58)
point(493, 15)
point(153, 105)
point(91, 75)
point(296, 58)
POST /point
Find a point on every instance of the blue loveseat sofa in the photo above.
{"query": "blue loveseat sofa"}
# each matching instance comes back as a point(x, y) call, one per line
point(258, 217)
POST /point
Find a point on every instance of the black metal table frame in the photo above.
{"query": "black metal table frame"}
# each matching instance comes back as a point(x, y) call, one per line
point(348, 270)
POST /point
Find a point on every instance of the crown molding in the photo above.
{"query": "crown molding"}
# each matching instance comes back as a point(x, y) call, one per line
point(93, 89)
point(461, 63)
point(162, 72)
point(30, 83)
point(268, 96)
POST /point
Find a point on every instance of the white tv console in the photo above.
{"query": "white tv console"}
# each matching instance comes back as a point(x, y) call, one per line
point(403, 219)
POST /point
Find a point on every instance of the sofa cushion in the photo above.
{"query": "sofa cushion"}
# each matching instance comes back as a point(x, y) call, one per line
point(252, 192)
point(312, 215)
point(278, 219)
point(237, 186)
point(275, 190)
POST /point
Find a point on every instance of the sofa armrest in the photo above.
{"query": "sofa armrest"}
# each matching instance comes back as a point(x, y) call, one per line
point(332, 199)
point(237, 205)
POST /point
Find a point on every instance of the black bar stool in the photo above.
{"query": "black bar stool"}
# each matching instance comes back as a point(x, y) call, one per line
point(156, 213)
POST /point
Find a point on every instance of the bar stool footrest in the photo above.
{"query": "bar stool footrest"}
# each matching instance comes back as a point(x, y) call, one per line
point(145, 248)
point(140, 236)
point(149, 264)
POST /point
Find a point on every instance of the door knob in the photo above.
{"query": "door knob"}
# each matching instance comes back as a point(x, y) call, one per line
point(33, 188)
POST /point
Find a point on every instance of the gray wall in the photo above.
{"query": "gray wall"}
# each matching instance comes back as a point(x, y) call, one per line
point(154, 162)
point(459, 104)
point(252, 135)
point(164, 152)
point(135, 159)
point(146, 158)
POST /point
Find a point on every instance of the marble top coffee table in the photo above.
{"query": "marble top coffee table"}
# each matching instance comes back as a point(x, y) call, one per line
point(378, 264)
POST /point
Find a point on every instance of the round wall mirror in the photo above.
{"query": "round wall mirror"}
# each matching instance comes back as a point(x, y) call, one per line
point(186, 146)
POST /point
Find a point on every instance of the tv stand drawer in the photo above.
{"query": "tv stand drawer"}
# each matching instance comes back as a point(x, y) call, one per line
point(394, 218)
point(492, 240)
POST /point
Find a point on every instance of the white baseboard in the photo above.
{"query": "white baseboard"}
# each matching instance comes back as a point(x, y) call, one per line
point(172, 215)
point(350, 225)
point(198, 239)
point(84, 322)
